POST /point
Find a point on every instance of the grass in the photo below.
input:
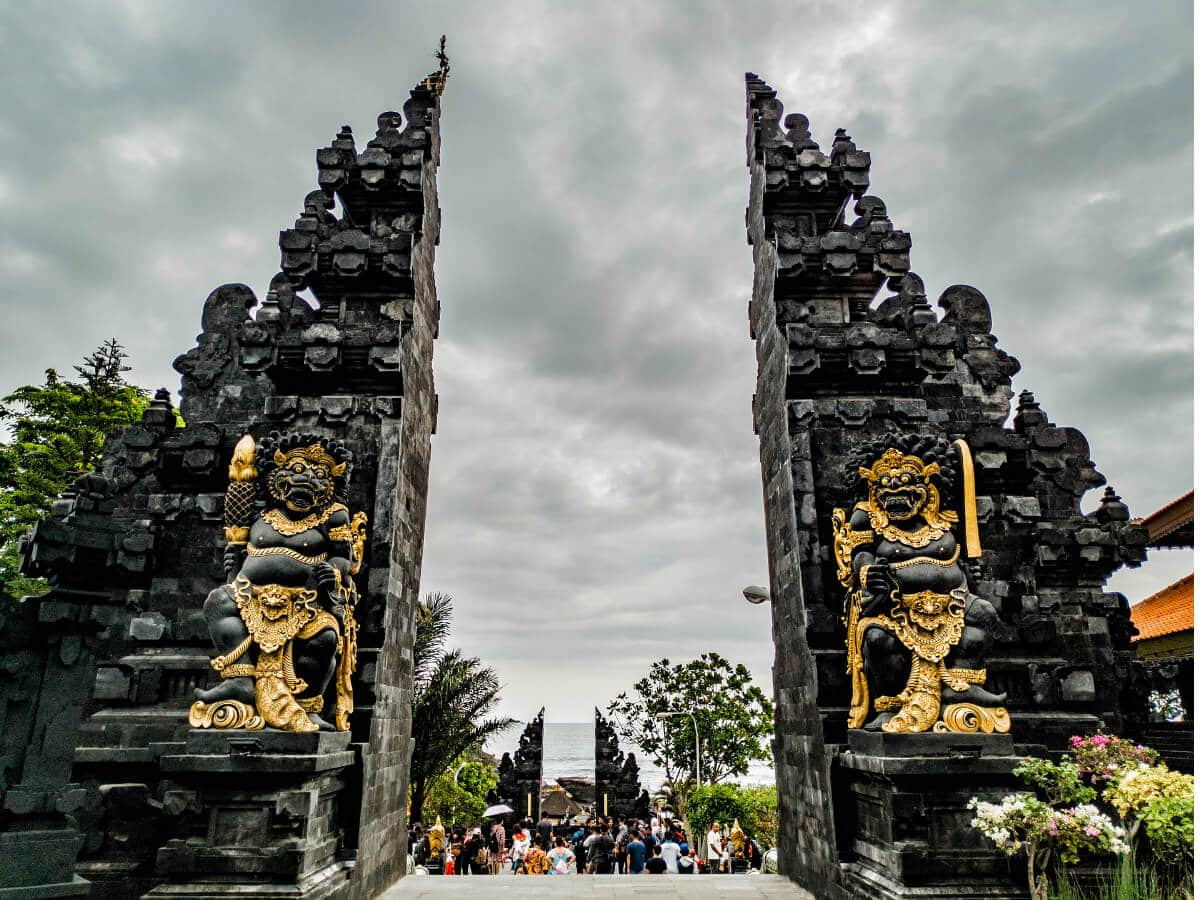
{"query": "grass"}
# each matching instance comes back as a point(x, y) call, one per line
point(1129, 881)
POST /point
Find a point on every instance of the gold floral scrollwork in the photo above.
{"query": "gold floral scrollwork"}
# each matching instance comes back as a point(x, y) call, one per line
point(968, 718)
point(224, 714)
point(845, 541)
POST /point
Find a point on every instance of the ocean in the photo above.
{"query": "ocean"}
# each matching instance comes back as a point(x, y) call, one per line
point(569, 750)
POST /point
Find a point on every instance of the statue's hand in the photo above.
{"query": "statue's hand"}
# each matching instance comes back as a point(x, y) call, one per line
point(234, 554)
point(878, 583)
point(326, 576)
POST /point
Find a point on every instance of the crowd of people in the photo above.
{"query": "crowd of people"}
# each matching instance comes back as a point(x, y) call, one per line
point(604, 846)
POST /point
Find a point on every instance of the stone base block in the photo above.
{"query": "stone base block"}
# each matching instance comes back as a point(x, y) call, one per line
point(40, 863)
point(256, 814)
point(903, 824)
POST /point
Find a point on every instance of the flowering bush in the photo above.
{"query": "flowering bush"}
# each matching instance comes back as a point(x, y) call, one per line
point(1163, 802)
point(1084, 829)
point(1103, 757)
point(1014, 823)
point(1141, 785)
point(1064, 822)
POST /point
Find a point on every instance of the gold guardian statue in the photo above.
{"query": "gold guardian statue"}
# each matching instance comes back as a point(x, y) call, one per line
point(284, 623)
point(916, 636)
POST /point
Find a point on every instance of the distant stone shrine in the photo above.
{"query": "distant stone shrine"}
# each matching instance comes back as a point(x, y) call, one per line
point(619, 790)
point(216, 693)
point(520, 774)
point(937, 592)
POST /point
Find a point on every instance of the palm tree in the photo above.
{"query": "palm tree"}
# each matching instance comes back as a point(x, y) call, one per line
point(452, 696)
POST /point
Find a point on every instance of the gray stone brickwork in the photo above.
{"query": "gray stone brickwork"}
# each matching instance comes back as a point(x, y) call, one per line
point(849, 348)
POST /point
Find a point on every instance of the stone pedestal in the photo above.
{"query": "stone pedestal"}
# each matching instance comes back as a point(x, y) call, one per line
point(256, 815)
point(904, 829)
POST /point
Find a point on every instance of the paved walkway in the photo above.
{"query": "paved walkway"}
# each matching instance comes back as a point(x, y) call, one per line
point(595, 887)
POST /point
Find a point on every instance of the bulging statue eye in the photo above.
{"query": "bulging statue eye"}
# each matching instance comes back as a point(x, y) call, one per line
point(885, 481)
point(905, 479)
point(319, 472)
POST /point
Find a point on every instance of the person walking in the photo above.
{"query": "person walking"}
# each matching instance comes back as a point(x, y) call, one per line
point(635, 853)
point(545, 830)
point(497, 844)
point(649, 840)
point(520, 847)
point(600, 848)
point(712, 860)
point(656, 864)
point(535, 862)
point(670, 852)
point(687, 863)
point(475, 854)
point(562, 858)
point(577, 840)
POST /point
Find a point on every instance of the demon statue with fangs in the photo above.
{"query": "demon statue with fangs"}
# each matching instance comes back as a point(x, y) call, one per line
point(284, 623)
point(916, 636)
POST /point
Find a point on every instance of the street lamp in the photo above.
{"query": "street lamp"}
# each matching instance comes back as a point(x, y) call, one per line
point(458, 771)
point(679, 712)
point(756, 595)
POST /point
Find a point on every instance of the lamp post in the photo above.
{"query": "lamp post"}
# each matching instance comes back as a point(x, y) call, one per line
point(679, 712)
point(458, 771)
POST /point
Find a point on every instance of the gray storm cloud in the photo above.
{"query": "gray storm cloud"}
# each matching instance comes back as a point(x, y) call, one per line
point(595, 499)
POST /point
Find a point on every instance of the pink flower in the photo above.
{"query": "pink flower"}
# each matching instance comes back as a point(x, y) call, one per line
point(1091, 831)
point(1099, 740)
point(1077, 741)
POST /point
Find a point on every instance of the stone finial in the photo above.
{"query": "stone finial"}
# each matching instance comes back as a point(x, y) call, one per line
point(798, 133)
point(842, 145)
point(1112, 508)
point(1029, 413)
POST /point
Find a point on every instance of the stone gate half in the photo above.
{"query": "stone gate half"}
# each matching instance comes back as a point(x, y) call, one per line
point(838, 368)
point(104, 666)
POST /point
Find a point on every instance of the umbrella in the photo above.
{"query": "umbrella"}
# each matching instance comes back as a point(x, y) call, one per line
point(499, 809)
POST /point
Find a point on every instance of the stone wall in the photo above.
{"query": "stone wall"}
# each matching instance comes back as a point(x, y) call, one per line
point(839, 366)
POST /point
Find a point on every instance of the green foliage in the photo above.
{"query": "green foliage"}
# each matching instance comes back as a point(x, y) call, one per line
point(458, 804)
point(1170, 827)
point(1058, 782)
point(755, 807)
point(452, 697)
point(764, 802)
point(720, 803)
point(734, 718)
point(58, 431)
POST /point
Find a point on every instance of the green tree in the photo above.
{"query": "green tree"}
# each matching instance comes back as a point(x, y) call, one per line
point(461, 802)
point(58, 431)
point(452, 697)
point(734, 718)
point(721, 803)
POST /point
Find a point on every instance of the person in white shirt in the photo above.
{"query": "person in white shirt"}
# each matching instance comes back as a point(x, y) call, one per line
point(670, 853)
point(714, 848)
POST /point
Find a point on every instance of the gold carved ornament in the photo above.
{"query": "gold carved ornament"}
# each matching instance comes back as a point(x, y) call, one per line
point(927, 623)
point(276, 615)
point(292, 527)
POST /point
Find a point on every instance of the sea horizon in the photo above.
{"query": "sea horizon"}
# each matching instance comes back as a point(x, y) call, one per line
point(568, 751)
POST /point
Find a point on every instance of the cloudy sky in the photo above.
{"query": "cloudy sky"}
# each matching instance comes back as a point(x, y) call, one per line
point(595, 499)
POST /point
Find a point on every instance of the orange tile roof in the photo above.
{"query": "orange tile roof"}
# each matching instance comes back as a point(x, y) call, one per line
point(1171, 526)
point(1168, 611)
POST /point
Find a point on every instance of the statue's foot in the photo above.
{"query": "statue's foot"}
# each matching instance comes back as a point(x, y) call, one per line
point(240, 689)
point(320, 723)
point(877, 723)
point(973, 694)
